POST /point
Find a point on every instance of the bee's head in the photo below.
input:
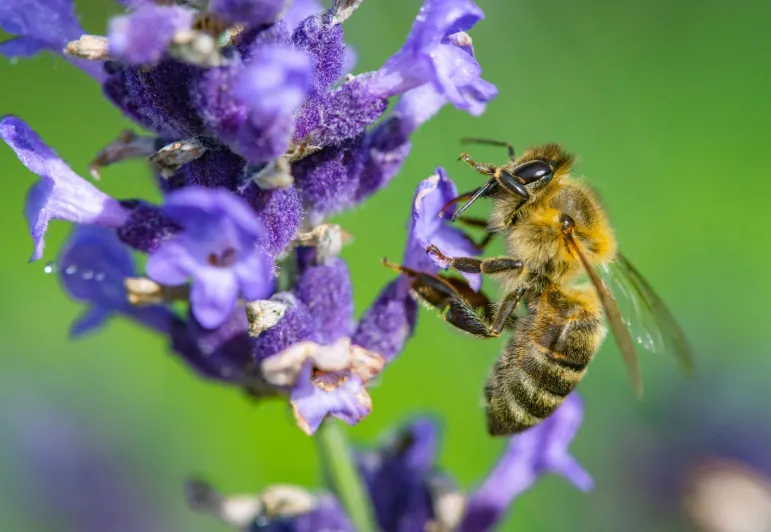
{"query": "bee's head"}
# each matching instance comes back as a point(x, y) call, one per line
point(535, 170)
point(526, 177)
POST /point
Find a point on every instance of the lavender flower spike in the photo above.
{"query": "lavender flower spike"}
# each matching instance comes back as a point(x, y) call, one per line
point(433, 54)
point(142, 37)
point(428, 228)
point(542, 449)
point(60, 193)
point(218, 249)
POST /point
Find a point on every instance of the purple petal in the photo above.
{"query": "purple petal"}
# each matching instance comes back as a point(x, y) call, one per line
point(428, 228)
point(143, 36)
point(171, 264)
point(389, 322)
point(255, 275)
point(272, 87)
point(89, 321)
point(43, 25)
point(438, 53)
point(327, 293)
point(60, 193)
point(396, 477)
point(348, 401)
point(438, 19)
point(251, 12)
point(218, 248)
point(198, 204)
point(417, 105)
point(226, 348)
point(93, 266)
point(213, 296)
point(539, 450)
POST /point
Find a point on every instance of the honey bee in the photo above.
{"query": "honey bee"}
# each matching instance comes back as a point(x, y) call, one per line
point(556, 234)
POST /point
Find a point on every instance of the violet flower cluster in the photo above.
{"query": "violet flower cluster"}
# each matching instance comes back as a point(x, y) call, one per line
point(257, 131)
point(408, 491)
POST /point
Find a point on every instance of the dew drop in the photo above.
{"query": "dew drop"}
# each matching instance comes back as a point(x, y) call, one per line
point(88, 275)
point(50, 268)
point(71, 269)
point(99, 276)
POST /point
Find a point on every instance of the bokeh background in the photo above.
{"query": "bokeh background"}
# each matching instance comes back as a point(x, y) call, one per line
point(667, 106)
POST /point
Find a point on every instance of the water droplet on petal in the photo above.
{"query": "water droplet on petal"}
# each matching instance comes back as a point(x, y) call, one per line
point(99, 276)
point(71, 269)
point(88, 275)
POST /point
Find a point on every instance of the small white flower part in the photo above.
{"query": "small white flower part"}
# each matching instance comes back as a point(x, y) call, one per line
point(449, 504)
point(169, 159)
point(263, 314)
point(92, 47)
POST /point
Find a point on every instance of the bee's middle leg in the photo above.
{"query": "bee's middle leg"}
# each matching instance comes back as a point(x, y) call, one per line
point(489, 265)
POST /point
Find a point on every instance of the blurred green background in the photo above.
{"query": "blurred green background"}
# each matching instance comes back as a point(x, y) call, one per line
point(667, 106)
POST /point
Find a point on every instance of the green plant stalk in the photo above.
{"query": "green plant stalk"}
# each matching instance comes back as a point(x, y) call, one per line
point(337, 460)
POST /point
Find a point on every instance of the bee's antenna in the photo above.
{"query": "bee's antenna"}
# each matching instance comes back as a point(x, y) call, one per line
point(491, 142)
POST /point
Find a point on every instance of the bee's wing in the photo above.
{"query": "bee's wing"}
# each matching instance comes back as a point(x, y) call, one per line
point(615, 320)
point(645, 314)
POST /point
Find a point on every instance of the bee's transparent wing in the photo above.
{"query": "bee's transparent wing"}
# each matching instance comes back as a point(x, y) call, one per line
point(648, 319)
point(624, 341)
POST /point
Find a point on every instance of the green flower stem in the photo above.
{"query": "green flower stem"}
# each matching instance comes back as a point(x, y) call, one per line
point(337, 460)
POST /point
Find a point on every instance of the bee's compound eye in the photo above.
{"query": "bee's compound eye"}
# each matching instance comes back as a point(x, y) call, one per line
point(534, 171)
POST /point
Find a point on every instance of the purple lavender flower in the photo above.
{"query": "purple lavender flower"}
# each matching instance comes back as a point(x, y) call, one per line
point(218, 249)
point(93, 267)
point(429, 228)
point(143, 36)
point(42, 25)
point(408, 492)
point(60, 193)
point(260, 137)
point(271, 100)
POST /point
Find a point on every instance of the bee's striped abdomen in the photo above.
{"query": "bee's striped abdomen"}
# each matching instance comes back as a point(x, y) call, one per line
point(543, 361)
